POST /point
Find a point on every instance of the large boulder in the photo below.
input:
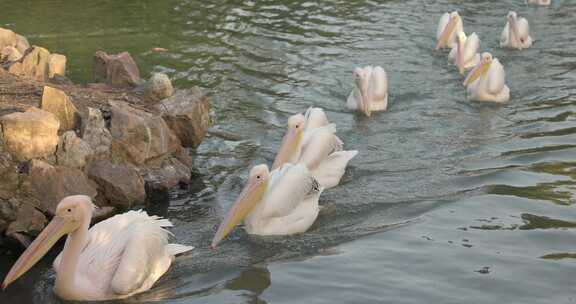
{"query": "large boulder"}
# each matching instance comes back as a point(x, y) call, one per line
point(139, 136)
point(22, 44)
point(56, 65)
point(49, 184)
point(58, 103)
point(121, 185)
point(8, 176)
point(158, 87)
point(30, 134)
point(73, 151)
point(28, 220)
point(187, 113)
point(95, 133)
point(7, 38)
point(34, 65)
point(118, 70)
point(9, 54)
point(170, 174)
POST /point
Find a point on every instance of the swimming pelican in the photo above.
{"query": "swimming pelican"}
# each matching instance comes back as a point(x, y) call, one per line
point(370, 92)
point(449, 26)
point(116, 258)
point(516, 33)
point(539, 2)
point(281, 202)
point(465, 54)
point(486, 82)
point(317, 148)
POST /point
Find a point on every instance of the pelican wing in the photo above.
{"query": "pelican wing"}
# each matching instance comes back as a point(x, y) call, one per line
point(315, 118)
point(523, 28)
point(379, 85)
point(318, 145)
point(331, 170)
point(496, 77)
point(442, 24)
point(471, 47)
point(290, 185)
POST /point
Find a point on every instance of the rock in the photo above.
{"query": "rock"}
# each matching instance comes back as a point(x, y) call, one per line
point(50, 184)
point(58, 103)
point(30, 134)
point(7, 38)
point(187, 113)
point(22, 44)
point(120, 184)
point(94, 132)
point(10, 54)
point(34, 65)
point(118, 70)
point(56, 65)
point(60, 80)
point(158, 87)
point(139, 136)
point(8, 176)
point(8, 210)
point(172, 173)
point(73, 151)
point(28, 220)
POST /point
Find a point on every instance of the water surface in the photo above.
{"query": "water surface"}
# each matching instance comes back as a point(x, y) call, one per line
point(447, 202)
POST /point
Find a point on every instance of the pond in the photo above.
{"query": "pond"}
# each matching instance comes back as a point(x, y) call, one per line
point(448, 201)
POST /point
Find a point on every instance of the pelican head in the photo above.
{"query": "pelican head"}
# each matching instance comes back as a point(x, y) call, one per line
point(513, 24)
point(448, 30)
point(291, 141)
point(250, 196)
point(71, 213)
point(362, 79)
point(481, 69)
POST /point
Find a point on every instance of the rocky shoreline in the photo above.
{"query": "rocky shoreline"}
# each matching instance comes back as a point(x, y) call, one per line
point(119, 140)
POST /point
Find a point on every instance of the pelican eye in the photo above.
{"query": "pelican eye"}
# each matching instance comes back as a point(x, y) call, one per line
point(69, 210)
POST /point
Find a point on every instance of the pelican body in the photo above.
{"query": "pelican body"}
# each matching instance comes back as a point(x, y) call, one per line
point(116, 258)
point(516, 33)
point(448, 28)
point(487, 81)
point(370, 92)
point(310, 140)
point(465, 54)
point(281, 202)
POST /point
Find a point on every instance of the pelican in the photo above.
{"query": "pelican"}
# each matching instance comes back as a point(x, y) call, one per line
point(486, 82)
point(370, 92)
point(516, 33)
point(115, 259)
point(465, 53)
point(318, 148)
point(281, 202)
point(539, 2)
point(449, 26)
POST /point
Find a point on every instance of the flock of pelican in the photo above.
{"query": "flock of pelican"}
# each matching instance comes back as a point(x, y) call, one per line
point(128, 253)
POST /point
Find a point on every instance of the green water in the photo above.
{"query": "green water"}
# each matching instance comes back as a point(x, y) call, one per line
point(487, 191)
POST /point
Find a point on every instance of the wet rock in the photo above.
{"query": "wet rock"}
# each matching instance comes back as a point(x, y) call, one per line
point(30, 134)
point(158, 87)
point(95, 133)
point(8, 210)
point(170, 174)
point(56, 65)
point(22, 44)
point(120, 184)
point(50, 184)
point(187, 113)
point(28, 220)
point(10, 54)
point(73, 151)
point(7, 38)
point(34, 65)
point(118, 70)
point(58, 103)
point(138, 136)
point(8, 176)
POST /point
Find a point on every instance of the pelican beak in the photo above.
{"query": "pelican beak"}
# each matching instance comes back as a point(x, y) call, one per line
point(248, 199)
point(58, 227)
point(481, 69)
point(448, 30)
point(365, 103)
point(460, 58)
point(289, 147)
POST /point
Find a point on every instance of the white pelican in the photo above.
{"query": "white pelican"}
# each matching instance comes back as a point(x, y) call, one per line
point(516, 33)
point(465, 54)
point(539, 2)
point(486, 82)
point(370, 92)
point(449, 26)
point(116, 258)
point(282, 202)
point(318, 148)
